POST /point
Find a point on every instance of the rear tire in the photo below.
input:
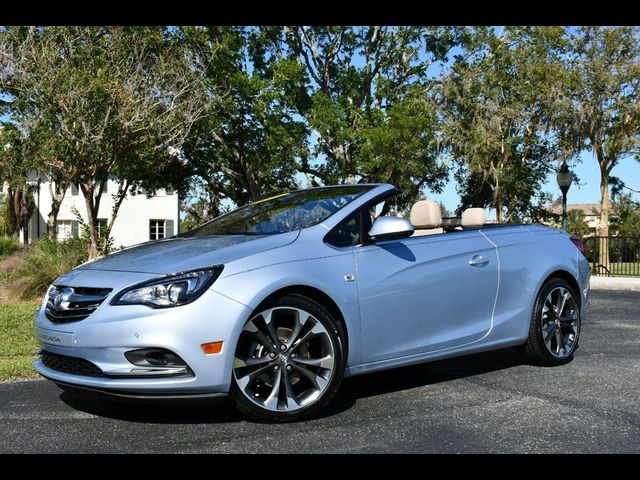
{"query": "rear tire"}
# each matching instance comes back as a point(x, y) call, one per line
point(289, 360)
point(555, 325)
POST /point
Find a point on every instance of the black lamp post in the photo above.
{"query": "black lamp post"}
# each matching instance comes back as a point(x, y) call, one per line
point(24, 212)
point(564, 178)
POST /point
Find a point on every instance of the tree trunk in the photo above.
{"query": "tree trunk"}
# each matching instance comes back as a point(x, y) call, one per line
point(603, 228)
point(122, 194)
point(499, 216)
point(497, 197)
point(250, 180)
point(254, 190)
point(93, 204)
point(57, 191)
point(16, 210)
point(52, 221)
point(13, 221)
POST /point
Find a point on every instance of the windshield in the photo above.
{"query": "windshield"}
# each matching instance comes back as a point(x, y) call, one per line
point(281, 214)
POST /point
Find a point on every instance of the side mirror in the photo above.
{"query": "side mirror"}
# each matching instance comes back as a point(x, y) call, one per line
point(390, 228)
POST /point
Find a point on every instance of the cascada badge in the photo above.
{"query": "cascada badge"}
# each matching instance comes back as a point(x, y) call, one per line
point(48, 338)
point(61, 300)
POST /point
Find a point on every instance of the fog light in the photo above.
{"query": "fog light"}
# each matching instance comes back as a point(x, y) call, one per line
point(154, 357)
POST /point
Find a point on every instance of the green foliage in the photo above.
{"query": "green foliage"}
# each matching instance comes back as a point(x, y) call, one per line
point(106, 242)
point(597, 106)
point(17, 344)
point(9, 245)
point(368, 99)
point(496, 103)
point(118, 100)
point(43, 264)
point(577, 223)
point(6, 227)
point(401, 147)
point(14, 165)
point(248, 147)
point(227, 115)
point(198, 208)
point(626, 219)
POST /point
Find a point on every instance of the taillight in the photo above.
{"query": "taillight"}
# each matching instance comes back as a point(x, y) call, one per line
point(576, 241)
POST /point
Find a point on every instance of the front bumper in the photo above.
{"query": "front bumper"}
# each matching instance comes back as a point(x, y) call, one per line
point(110, 331)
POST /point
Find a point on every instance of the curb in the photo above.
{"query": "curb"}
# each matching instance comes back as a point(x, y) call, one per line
point(629, 284)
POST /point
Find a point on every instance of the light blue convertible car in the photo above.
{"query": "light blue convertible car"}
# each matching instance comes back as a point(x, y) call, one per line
point(277, 301)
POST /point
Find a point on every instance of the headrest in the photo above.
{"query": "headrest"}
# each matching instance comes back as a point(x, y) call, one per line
point(425, 214)
point(473, 217)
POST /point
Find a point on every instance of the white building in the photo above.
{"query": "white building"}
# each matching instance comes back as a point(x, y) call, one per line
point(139, 218)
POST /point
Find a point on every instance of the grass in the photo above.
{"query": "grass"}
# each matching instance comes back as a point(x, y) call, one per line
point(9, 245)
point(621, 269)
point(17, 345)
point(625, 268)
point(39, 266)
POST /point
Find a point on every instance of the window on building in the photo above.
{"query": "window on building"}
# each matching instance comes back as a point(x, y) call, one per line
point(167, 191)
point(102, 227)
point(160, 229)
point(105, 187)
point(74, 189)
point(156, 229)
point(67, 229)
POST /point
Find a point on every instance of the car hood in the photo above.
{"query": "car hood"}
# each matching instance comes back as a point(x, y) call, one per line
point(180, 254)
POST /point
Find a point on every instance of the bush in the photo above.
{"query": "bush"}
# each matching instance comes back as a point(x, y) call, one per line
point(5, 218)
point(42, 264)
point(9, 245)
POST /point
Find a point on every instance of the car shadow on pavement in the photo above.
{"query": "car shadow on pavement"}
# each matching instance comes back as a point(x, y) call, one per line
point(352, 389)
point(162, 412)
point(424, 374)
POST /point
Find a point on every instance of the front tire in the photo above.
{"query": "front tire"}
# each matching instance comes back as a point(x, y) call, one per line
point(289, 360)
point(555, 325)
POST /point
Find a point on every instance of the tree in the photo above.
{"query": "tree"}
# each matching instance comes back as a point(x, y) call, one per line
point(626, 220)
point(368, 99)
point(14, 166)
point(443, 210)
point(40, 143)
point(599, 109)
point(577, 223)
point(119, 100)
point(247, 147)
point(495, 101)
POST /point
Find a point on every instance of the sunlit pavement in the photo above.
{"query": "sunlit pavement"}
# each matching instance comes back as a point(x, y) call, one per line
point(481, 403)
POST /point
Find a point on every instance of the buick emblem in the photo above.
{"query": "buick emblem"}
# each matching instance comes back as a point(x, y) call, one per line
point(61, 300)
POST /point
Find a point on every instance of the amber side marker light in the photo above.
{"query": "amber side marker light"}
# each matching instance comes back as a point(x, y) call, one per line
point(212, 348)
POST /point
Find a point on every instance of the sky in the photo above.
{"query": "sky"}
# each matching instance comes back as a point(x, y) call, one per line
point(587, 191)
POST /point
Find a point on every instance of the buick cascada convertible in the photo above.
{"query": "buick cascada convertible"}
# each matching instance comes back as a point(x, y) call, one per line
point(275, 302)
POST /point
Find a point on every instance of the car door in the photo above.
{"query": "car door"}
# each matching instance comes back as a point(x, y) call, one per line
point(423, 294)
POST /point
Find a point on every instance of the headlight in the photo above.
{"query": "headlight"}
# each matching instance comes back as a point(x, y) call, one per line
point(170, 291)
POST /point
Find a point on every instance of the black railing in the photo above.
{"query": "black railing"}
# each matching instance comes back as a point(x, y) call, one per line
point(613, 256)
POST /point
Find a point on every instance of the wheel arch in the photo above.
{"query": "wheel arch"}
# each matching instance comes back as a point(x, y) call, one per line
point(569, 278)
point(314, 294)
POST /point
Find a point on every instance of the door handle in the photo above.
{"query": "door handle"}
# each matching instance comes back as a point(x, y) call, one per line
point(478, 261)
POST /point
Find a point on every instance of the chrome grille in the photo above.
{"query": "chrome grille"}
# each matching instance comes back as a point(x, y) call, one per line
point(72, 304)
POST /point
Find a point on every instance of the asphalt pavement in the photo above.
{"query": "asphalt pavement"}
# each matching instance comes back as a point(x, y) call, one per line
point(481, 403)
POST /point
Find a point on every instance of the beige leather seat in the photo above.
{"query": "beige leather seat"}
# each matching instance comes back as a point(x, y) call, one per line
point(473, 217)
point(426, 218)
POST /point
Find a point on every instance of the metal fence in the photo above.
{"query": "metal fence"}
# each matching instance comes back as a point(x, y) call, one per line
point(613, 256)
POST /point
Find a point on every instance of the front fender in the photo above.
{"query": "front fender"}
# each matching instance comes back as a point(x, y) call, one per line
point(326, 274)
